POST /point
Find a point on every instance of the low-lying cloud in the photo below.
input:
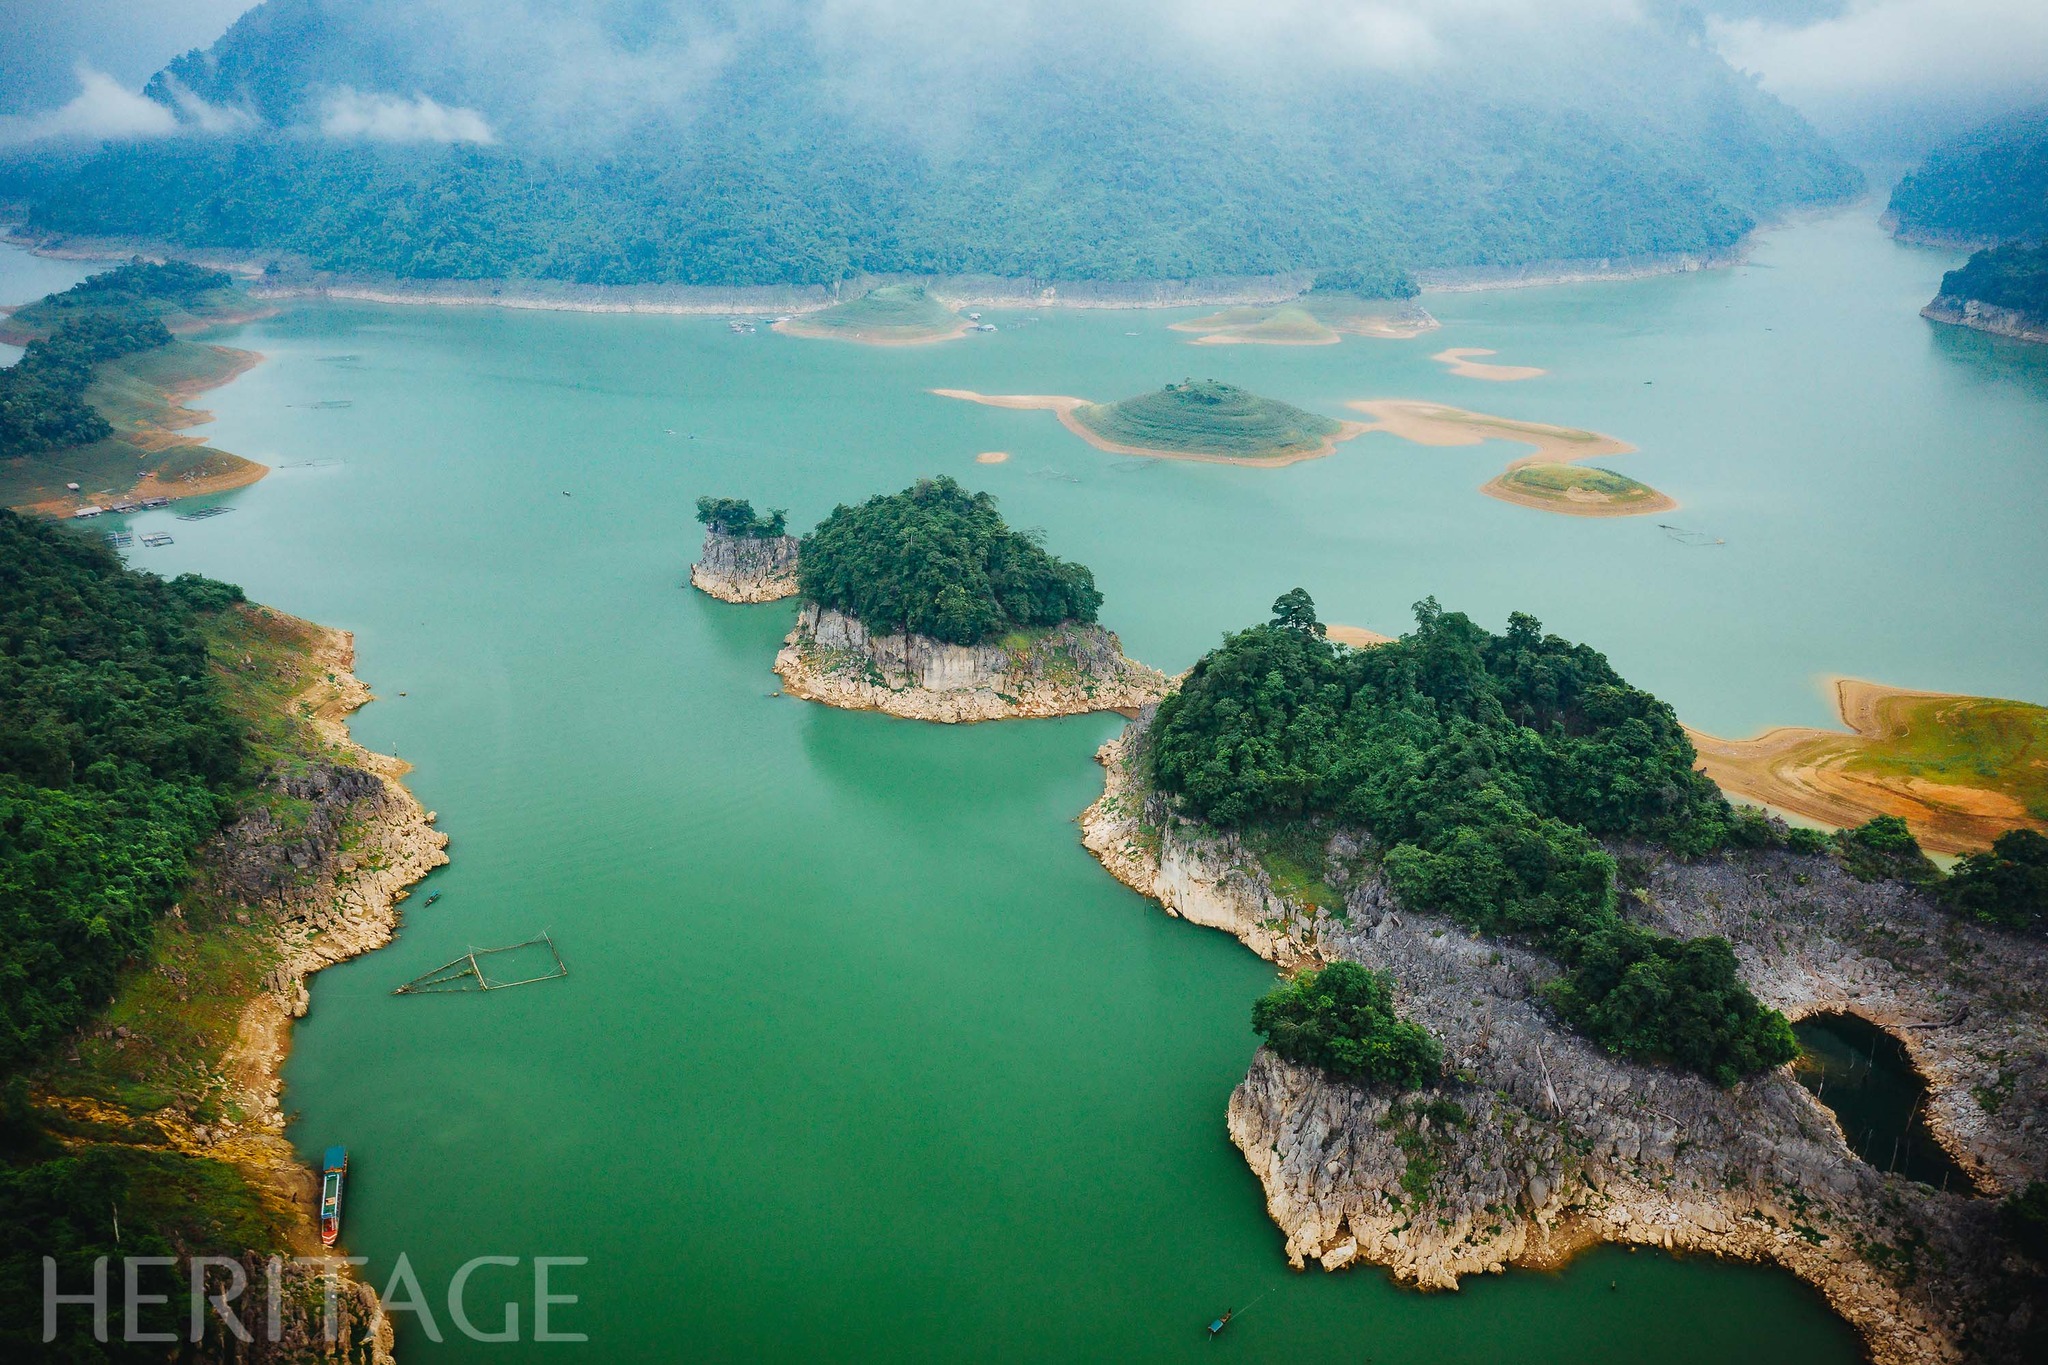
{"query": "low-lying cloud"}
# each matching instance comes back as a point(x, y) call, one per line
point(347, 113)
point(100, 110)
point(1892, 54)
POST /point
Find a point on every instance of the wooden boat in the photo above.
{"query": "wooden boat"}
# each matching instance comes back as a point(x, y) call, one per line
point(333, 1170)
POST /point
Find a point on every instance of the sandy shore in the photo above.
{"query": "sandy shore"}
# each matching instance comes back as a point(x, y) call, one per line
point(1434, 424)
point(1806, 771)
point(992, 457)
point(1358, 637)
point(242, 475)
point(1065, 406)
point(1459, 359)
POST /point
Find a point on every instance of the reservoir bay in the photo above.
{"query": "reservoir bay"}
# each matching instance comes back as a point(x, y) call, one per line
point(862, 1057)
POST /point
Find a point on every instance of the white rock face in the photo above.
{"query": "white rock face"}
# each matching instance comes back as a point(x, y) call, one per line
point(834, 658)
point(746, 569)
point(1540, 1143)
point(1986, 317)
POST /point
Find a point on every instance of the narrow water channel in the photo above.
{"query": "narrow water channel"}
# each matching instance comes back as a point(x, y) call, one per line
point(1865, 1076)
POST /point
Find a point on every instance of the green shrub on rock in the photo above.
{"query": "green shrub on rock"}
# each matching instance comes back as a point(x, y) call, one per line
point(1342, 1020)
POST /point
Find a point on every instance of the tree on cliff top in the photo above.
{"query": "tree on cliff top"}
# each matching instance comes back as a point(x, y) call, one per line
point(1342, 1019)
point(937, 560)
point(736, 517)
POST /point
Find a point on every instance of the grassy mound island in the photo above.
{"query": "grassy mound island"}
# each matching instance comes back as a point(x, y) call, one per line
point(98, 396)
point(925, 604)
point(1547, 480)
point(186, 831)
point(892, 315)
point(747, 557)
point(1580, 490)
point(1960, 771)
point(1201, 417)
point(1541, 974)
point(1193, 420)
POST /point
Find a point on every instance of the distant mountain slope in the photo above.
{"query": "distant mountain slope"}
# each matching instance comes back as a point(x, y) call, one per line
point(1986, 187)
point(704, 142)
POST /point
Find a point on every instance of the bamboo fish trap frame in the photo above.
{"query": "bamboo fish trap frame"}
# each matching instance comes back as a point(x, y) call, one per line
point(471, 971)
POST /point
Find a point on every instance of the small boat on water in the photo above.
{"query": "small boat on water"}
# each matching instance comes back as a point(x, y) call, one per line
point(333, 1170)
point(431, 899)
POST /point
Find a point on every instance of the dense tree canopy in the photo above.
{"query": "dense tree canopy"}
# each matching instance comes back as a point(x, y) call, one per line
point(737, 517)
point(2006, 885)
point(115, 752)
point(1488, 767)
point(2013, 277)
point(1342, 1019)
point(817, 148)
point(937, 560)
point(42, 395)
point(1989, 185)
point(106, 316)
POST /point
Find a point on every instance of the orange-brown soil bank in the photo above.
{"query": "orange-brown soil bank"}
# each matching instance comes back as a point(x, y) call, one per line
point(1959, 770)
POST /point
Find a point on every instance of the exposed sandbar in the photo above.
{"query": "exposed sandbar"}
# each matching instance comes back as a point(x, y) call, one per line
point(1358, 637)
point(1065, 407)
point(1434, 424)
point(872, 336)
point(1891, 763)
point(1459, 359)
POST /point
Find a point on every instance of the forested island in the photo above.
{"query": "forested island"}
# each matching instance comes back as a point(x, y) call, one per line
point(814, 150)
point(1543, 974)
point(747, 556)
point(96, 398)
point(186, 832)
point(925, 604)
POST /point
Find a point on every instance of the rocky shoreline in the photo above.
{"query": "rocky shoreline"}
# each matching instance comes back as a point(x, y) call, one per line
point(1540, 1144)
point(323, 891)
point(833, 658)
point(1986, 317)
point(298, 281)
point(746, 568)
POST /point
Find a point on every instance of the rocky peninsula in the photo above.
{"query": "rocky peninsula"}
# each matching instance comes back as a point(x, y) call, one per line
point(1550, 1143)
point(2003, 291)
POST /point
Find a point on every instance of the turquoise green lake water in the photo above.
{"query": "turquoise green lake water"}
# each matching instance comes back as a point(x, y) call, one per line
point(862, 1057)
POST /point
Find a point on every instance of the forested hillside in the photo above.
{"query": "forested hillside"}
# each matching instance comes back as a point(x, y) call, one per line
point(1488, 767)
point(705, 143)
point(117, 754)
point(2014, 277)
point(1986, 187)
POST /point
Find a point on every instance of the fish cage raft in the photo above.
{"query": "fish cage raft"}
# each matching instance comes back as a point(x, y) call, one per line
point(541, 960)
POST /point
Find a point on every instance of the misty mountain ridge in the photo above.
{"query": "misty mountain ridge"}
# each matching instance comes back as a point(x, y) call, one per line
point(701, 142)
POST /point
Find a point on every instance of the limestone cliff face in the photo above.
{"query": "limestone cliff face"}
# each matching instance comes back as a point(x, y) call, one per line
point(746, 569)
point(1555, 1144)
point(1986, 317)
point(834, 658)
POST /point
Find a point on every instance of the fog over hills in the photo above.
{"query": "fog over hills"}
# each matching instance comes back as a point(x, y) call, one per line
point(711, 141)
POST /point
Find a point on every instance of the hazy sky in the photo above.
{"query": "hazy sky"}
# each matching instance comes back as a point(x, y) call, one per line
point(1849, 64)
